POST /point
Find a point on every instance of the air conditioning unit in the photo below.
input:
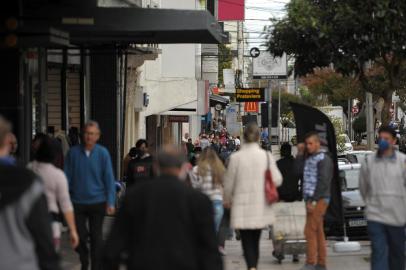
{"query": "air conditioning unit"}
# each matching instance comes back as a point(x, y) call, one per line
point(141, 99)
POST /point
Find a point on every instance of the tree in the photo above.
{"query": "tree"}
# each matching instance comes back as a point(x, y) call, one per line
point(332, 87)
point(348, 34)
point(286, 98)
point(359, 125)
point(225, 60)
point(339, 131)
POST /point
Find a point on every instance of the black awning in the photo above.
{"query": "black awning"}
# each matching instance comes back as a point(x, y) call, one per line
point(100, 26)
point(217, 99)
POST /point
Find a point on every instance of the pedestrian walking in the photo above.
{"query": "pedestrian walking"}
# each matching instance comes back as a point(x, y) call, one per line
point(245, 192)
point(132, 154)
point(92, 189)
point(164, 224)
point(36, 141)
point(140, 167)
point(204, 142)
point(289, 191)
point(56, 190)
point(383, 188)
point(237, 143)
point(208, 177)
point(25, 231)
point(190, 148)
point(317, 176)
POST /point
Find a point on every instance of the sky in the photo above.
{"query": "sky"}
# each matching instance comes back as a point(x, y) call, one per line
point(257, 14)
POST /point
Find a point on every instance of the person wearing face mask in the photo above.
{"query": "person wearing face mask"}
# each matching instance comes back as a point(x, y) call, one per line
point(164, 224)
point(382, 185)
point(140, 166)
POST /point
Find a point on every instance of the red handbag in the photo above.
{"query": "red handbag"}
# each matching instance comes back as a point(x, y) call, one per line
point(271, 193)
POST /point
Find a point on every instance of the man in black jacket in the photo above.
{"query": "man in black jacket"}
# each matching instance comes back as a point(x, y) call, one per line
point(25, 227)
point(140, 166)
point(289, 191)
point(163, 224)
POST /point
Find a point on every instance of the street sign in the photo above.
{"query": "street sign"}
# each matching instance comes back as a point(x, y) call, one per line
point(250, 94)
point(254, 52)
point(178, 118)
point(251, 107)
point(265, 66)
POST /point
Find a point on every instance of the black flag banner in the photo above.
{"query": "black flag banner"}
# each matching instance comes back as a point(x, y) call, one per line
point(311, 119)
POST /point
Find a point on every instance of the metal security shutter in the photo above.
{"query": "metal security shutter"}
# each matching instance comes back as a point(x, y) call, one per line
point(54, 97)
point(73, 92)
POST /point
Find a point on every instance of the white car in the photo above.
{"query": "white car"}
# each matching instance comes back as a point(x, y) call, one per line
point(347, 143)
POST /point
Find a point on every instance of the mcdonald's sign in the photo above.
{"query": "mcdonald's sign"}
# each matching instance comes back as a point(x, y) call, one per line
point(251, 107)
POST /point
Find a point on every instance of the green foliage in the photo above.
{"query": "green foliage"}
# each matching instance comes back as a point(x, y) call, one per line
point(339, 130)
point(225, 60)
point(286, 110)
point(332, 86)
point(360, 124)
point(307, 97)
point(348, 34)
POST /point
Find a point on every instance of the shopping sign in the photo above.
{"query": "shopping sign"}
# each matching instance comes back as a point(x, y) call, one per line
point(250, 94)
point(251, 107)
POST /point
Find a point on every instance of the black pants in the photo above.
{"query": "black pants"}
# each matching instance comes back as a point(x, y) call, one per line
point(92, 215)
point(250, 246)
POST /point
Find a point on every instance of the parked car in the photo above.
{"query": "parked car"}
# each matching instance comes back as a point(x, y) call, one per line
point(355, 156)
point(347, 143)
point(353, 206)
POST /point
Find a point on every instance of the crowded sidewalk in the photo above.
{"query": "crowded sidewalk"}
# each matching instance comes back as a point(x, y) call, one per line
point(235, 261)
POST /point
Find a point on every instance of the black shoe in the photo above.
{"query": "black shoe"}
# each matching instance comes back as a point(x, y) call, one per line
point(237, 235)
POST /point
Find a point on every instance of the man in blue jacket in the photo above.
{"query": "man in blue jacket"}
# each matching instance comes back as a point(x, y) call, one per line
point(92, 189)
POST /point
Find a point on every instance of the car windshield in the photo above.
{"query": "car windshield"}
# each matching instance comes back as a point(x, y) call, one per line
point(346, 138)
point(351, 178)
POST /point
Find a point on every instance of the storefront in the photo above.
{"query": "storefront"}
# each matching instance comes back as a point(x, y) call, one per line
point(65, 63)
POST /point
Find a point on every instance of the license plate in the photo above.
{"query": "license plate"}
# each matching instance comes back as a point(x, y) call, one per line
point(357, 223)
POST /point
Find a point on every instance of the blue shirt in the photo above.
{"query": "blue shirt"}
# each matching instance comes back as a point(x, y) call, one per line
point(90, 177)
point(8, 161)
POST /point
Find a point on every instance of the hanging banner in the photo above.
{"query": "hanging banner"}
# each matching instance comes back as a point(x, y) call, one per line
point(311, 119)
point(250, 94)
point(231, 10)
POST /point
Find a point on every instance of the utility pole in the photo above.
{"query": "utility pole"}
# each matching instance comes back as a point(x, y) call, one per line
point(269, 97)
point(370, 122)
point(349, 119)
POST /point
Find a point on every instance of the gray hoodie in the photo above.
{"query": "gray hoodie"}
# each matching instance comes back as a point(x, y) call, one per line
point(383, 188)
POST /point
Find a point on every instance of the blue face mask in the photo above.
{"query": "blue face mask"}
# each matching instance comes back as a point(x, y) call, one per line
point(383, 145)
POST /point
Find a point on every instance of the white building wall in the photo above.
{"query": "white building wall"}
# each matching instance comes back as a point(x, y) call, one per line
point(170, 80)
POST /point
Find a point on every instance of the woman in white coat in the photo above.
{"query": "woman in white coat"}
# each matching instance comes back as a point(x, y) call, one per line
point(244, 192)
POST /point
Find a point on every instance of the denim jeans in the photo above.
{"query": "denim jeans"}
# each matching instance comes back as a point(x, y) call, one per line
point(388, 246)
point(218, 213)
